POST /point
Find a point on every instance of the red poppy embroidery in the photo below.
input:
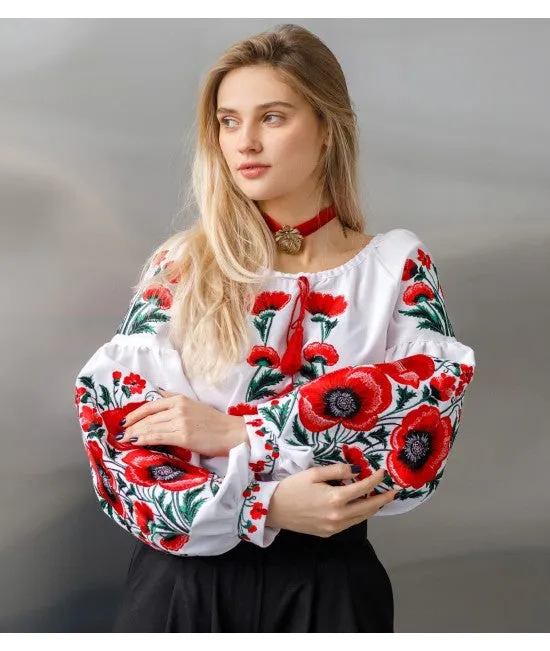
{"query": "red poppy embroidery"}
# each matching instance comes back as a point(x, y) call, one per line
point(148, 468)
point(111, 419)
point(351, 396)
point(159, 294)
point(257, 511)
point(322, 353)
point(116, 376)
point(270, 301)
point(263, 356)
point(135, 383)
point(160, 257)
point(443, 386)
point(243, 409)
point(89, 416)
point(466, 373)
point(424, 259)
point(418, 293)
point(409, 370)
point(78, 393)
point(355, 456)
point(258, 466)
point(105, 480)
point(419, 446)
point(174, 543)
point(143, 515)
point(326, 304)
point(409, 270)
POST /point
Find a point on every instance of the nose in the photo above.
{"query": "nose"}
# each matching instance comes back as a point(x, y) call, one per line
point(248, 140)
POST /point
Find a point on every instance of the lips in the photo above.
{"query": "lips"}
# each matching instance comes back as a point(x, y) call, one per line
point(247, 166)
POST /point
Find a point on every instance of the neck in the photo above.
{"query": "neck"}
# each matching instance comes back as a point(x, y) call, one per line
point(327, 242)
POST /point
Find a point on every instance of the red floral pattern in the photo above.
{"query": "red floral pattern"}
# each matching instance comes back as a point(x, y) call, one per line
point(325, 354)
point(89, 418)
point(354, 455)
point(419, 446)
point(257, 511)
point(135, 383)
point(264, 356)
point(148, 468)
point(160, 295)
point(105, 480)
point(418, 292)
point(326, 304)
point(409, 370)
point(352, 396)
point(174, 543)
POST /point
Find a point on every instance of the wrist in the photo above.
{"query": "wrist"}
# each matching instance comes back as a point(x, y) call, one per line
point(237, 433)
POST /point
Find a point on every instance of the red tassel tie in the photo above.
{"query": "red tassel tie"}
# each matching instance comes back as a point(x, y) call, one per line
point(291, 361)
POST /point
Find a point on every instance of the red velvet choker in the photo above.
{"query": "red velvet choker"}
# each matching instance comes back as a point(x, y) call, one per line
point(290, 238)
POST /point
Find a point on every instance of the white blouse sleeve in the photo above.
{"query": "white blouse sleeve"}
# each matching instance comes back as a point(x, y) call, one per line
point(407, 408)
point(161, 494)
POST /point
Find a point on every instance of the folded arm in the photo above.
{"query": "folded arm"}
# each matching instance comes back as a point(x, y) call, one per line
point(402, 414)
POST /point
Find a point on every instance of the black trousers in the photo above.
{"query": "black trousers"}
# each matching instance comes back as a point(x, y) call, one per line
point(300, 583)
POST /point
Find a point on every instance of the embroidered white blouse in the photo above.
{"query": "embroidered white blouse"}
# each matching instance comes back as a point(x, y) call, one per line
point(358, 364)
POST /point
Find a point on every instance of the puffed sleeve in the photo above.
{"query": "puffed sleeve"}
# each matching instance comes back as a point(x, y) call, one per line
point(161, 494)
point(402, 414)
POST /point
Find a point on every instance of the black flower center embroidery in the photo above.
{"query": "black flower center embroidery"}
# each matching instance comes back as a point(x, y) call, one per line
point(165, 472)
point(105, 482)
point(341, 403)
point(417, 449)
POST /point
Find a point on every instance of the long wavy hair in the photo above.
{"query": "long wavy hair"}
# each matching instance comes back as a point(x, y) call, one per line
point(220, 255)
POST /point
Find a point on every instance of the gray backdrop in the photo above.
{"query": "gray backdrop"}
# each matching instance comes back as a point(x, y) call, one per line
point(96, 121)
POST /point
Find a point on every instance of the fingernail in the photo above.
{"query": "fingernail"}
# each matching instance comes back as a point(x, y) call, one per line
point(355, 469)
point(133, 440)
point(122, 421)
point(119, 436)
point(161, 389)
point(395, 494)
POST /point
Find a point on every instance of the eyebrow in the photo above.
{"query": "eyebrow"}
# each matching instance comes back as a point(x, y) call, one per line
point(267, 105)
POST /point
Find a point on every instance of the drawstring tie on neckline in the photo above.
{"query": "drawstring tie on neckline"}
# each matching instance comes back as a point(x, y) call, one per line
point(291, 361)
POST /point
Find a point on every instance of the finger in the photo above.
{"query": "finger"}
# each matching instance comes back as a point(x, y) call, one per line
point(361, 487)
point(333, 471)
point(156, 436)
point(152, 421)
point(168, 394)
point(148, 409)
point(365, 508)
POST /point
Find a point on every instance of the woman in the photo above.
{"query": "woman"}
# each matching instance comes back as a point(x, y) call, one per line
point(279, 377)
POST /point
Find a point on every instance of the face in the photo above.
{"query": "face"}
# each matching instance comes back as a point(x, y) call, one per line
point(263, 121)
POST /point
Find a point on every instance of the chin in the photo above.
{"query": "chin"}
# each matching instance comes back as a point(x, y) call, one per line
point(258, 193)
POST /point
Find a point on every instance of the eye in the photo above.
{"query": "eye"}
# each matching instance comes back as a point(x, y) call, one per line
point(224, 122)
point(274, 115)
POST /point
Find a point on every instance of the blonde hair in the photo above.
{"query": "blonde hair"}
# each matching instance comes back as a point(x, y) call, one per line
point(218, 264)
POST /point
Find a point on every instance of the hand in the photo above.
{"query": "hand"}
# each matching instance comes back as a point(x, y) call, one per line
point(305, 503)
point(184, 422)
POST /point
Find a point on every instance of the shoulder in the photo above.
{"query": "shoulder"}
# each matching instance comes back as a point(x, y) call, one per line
point(397, 246)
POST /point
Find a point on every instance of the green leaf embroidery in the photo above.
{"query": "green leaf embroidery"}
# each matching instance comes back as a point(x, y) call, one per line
point(405, 394)
point(300, 433)
point(87, 381)
point(105, 396)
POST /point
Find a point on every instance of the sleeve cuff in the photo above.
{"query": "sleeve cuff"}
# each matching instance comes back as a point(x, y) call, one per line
point(256, 499)
point(264, 449)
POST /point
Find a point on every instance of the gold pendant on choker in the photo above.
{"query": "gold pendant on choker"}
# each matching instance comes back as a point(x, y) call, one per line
point(289, 239)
